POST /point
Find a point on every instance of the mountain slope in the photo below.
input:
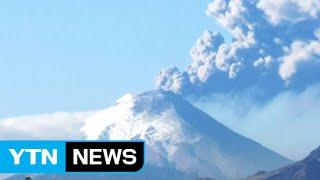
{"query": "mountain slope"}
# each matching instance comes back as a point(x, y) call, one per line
point(181, 135)
point(307, 169)
point(182, 142)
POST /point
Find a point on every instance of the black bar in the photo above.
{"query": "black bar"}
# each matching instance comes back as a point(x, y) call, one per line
point(138, 147)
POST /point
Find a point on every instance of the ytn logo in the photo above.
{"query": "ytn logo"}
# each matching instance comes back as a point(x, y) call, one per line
point(78, 156)
point(33, 154)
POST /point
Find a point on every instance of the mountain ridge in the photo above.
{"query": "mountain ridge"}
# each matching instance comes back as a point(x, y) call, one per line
point(168, 122)
point(306, 169)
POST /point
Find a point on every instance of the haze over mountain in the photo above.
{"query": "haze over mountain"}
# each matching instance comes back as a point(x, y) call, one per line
point(307, 169)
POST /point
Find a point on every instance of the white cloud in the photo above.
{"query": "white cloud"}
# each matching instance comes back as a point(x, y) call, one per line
point(203, 54)
point(265, 78)
point(234, 69)
point(205, 46)
point(263, 61)
point(278, 35)
point(59, 125)
point(289, 10)
point(299, 52)
point(171, 79)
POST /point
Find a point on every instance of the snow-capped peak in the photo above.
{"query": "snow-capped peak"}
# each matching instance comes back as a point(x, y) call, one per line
point(180, 137)
point(149, 116)
point(126, 99)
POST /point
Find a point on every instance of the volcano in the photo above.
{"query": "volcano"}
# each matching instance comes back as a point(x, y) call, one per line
point(182, 142)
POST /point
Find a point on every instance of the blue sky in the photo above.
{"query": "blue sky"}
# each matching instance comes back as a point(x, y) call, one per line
point(78, 56)
point(81, 56)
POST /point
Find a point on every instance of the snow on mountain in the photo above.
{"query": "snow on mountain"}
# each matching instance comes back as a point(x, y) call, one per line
point(181, 136)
